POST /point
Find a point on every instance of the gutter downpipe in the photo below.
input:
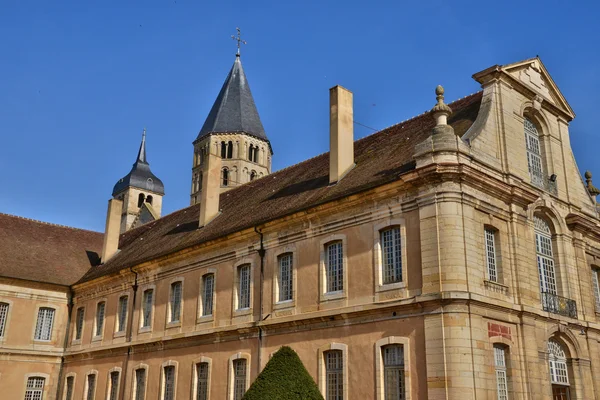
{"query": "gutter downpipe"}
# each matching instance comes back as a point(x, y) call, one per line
point(261, 253)
point(129, 333)
point(65, 344)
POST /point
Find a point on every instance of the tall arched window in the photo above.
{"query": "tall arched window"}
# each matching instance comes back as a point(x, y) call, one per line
point(223, 150)
point(545, 259)
point(255, 154)
point(252, 175)
point(225, 177)
point(35, 388)
point(149, 199)
point(230, 149)
point(559, 374)
point(393, 372)
point(141, 199)
point(251, 152)
point(534, 153)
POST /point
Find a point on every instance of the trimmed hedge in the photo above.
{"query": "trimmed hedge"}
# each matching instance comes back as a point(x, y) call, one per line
point(284, 378)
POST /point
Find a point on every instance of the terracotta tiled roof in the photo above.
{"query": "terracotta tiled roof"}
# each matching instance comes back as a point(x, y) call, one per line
point(38, 251)
point(380, 158)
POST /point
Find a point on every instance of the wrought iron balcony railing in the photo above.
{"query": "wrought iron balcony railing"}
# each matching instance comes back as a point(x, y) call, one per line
point(559, 305)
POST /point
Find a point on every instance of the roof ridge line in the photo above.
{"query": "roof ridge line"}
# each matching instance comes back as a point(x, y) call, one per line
point(49, 223)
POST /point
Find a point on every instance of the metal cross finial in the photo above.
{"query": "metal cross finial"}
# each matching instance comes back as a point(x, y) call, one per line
point(239, 40)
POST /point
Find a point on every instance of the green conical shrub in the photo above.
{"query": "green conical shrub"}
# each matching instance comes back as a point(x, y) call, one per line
point(284, 378)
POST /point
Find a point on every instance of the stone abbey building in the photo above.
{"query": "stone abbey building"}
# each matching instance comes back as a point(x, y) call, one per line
point(455, 255)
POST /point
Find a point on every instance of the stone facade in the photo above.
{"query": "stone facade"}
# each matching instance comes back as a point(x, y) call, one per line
point(467, 201)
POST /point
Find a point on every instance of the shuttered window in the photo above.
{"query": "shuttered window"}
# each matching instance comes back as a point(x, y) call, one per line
point(35, 388)
point(43, 327)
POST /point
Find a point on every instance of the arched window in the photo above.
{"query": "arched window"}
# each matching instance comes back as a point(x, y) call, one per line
point(559, 374)
point(35, 388)
point(225, 177)
point(251, 152)
point(545, 259)
point(252, 175)
point(230, 149)
point(141, 199)
point(255, 154)
point(334, 374)
point(534, 153)
point(393, 372)
point(149, 199)
point(150, 184)
point(501, 376)
point(223, 150)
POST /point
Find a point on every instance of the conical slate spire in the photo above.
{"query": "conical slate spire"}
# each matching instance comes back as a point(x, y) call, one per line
point(234, 110)
point(140, 175)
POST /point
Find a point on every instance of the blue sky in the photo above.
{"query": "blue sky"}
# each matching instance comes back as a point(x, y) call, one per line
point(80, 79)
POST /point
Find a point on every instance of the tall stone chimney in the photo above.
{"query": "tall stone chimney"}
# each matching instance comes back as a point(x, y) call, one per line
point(341, 133)
point(112, 230)
point(211, 188)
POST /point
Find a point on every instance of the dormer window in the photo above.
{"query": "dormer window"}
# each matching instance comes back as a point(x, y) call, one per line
point(534, 153)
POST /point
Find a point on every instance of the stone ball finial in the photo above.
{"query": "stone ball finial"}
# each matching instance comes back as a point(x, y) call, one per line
point(588, 175)
point(441, 111)
point(439, 90)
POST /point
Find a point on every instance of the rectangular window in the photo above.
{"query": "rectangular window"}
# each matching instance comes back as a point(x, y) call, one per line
point(147, 308)
point(490, 254)
point(208, 287)
point(175, 301)
point(534, 154)
point(140, 384)
point(35, 388)
point(391, 255)
point(596, 287)
point(239, 378)
point(285, 277)
point(114, 385)
point(69, 388)
point(334, 264)
point(334, 375)
point(244, 287)
point(3, 317)
point(100, 318)
point(122, 313)
point(545, 262)
point(79, 323)
point(169, 391)
point(91, 387)
point(501, 379)
point(393, 372)
point(202, 381)
point(43, 328)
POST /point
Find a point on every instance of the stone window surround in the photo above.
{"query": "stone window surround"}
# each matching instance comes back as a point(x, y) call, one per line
point(500, 276)
point(74, 339)
point(169, 363)
point(133, 379)
point(117, 333)
point(377, 254)
point(7, 322)
point(169, 323)
point(67, 376)
point(231, 377)
point(379, 368)
point(141, 328)
point(85, 385)
point(207, 318)
point(35, 319)
point(236, 285)
point(46, 377)
point(323, 294)
point(527, 111)
point(289, 249)
point(322, 370)
point(202, 359)
point(113, 369)
point(96, 338)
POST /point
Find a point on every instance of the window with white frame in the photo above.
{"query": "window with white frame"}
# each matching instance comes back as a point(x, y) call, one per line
point(545, 256)
point(43, 327)
point(394, 386)
point(79, 319)
point(501, 376)
point(391, 255)
point(239, 378)
point(334, 375)
point(35, 388)
point(69, 384)
point(175, 301)
point(491, 254)
point(122, 313)
point(169, 382)
point(140, 384)
point(596, 286)
point(557, 361)
point(285, 277)
point(113, 390)
point(534, 154)
point(3, 318)
point(243, 287)
point(202, 380)
point(208, 288)
point(147, 301)
point(334, 266)
point(91, 387)
point(100, 311)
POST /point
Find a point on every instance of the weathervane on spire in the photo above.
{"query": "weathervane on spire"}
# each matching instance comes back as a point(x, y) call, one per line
point(239, 40)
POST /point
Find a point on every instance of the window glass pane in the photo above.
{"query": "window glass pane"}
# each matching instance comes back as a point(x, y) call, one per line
point(43, 328)
point(557, 363)
point(175, 301)
point(334, 375)
point(335, 267)
point(545, 257)
point(79, 322)
point(244, 288)
point(202, 383)
point(114, 385)
point(169, 390)
point(100, 318)
point(285, 277)
point(69, 388)
point(596, 287)
point(391, 255)
point(239, 376)
point(490, 252)
point(35, 388)
point(122, 321)
point(91, 387)
point(208, 294)
point(3, 317)
point(393, 372)
point(501, 380)
point(147, 317)
point(534, 156)
point(140, 384)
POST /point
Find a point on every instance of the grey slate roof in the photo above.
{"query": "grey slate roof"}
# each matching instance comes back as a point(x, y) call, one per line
point(140, 175)
point(234, 109)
